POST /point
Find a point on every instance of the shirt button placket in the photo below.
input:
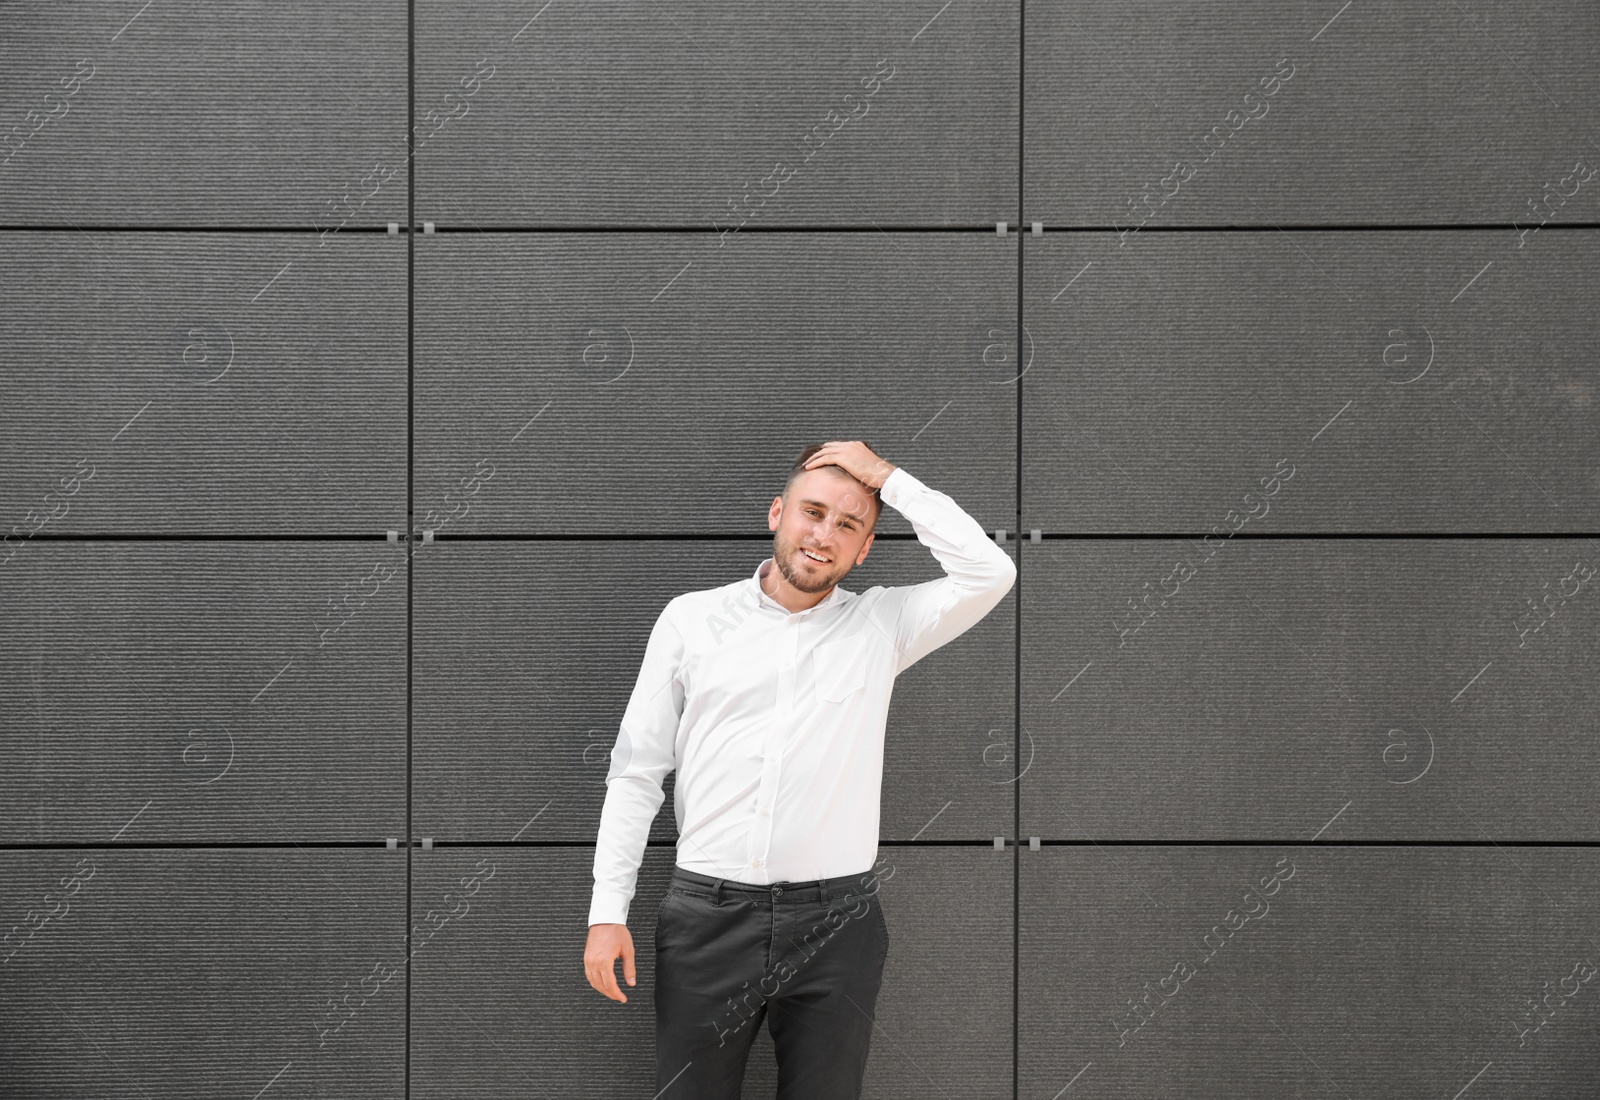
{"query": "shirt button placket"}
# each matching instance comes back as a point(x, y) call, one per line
point(777, 737)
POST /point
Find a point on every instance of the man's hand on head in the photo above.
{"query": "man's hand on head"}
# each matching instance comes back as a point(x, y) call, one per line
point(856, 459)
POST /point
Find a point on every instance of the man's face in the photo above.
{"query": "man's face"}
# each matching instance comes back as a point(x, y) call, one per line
point(829, 513)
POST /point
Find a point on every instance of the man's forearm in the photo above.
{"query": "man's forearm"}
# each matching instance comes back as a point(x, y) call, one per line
point(631, 805)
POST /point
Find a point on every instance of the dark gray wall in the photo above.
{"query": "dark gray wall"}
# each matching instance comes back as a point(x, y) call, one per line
point(324, 533)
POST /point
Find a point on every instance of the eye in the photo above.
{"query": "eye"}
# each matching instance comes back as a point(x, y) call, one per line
point(842, 523)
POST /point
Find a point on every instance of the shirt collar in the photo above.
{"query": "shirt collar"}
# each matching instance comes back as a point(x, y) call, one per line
point(761, 595)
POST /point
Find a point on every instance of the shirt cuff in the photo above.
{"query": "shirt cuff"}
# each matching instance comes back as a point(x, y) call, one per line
point(897, 486)
point(607, 907)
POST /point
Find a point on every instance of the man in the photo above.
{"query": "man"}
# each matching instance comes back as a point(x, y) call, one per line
point(769, 697)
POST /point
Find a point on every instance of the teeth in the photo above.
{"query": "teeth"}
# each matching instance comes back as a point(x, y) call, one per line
point(812, 556)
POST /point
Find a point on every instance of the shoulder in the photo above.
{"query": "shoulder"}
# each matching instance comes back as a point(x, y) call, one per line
point(702, 605)
point(880, 603)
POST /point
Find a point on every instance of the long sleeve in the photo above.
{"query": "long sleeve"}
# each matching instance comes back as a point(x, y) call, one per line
point(978, 572)
point(640, 760)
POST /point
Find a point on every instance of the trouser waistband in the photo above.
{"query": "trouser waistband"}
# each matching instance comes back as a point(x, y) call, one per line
point(821, 890)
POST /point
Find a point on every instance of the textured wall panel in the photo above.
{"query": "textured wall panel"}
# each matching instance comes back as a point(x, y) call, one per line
point(637, 114)
point(501, 1002)
point(1306, 971)
point(1389, 114)
point(1285, 679)
point(187, 973)
point(185, 113)
point(1174, 374)
point(203, 692)
point(942, 1024)
point(213, 383)
point(588, 384)
point(526, 653)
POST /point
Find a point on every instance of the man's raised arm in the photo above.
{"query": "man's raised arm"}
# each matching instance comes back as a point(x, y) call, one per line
point(978, 572)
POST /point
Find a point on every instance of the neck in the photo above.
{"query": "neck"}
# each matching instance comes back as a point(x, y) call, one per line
point(791, 597)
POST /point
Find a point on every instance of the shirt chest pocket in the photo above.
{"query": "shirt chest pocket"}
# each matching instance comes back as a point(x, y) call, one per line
point(841, 668)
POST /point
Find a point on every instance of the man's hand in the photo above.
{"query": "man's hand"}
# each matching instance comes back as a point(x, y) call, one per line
point(856, 459)
point(606, 942)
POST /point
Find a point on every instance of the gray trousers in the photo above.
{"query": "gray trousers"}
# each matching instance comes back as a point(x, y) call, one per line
point(805, 956)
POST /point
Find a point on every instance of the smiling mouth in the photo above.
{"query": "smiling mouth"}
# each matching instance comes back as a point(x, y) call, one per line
point(806, 555)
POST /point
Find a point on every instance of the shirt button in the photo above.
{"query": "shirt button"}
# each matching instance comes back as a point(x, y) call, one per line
point(763, 813)
point(755, 863)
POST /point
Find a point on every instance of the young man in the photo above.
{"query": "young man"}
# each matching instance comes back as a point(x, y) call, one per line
point(769, 697)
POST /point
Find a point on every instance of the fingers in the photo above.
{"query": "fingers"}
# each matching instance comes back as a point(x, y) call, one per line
point(846, 454)
point(605, 943)
point(603, 977)
point(601, 973)
point(825, 454)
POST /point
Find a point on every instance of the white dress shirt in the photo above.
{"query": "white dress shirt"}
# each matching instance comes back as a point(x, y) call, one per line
point(775, 721)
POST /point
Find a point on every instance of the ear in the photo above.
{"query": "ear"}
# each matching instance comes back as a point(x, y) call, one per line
point(865, 547)
point(774, 513)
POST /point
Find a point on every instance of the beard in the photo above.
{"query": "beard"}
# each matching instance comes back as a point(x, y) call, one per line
point(801, 571)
